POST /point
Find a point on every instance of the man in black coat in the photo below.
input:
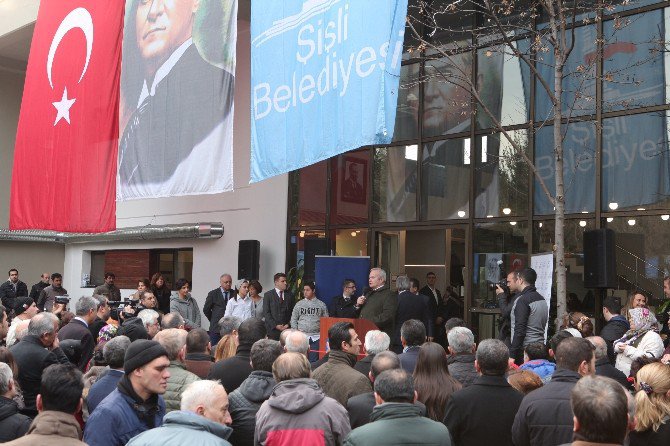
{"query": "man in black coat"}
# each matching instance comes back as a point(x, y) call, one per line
point(376, 341)
point(278, 305)
point(545, 415)
point(412, 336)
point(12, 289)
point(603, 365)
point(436, 307)
point(483, 413)
point(36, 289)
point(77, 328)
point(37, 350)
point(344, 305)
point(411, 305)
point(616, 325)
point(233, 371)
point(215, 306)
point(12, 424)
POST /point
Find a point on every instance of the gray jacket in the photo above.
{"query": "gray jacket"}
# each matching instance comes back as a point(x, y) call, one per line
point(180, 428)
point(530, 314)
point(188, 308)
point(307, 314)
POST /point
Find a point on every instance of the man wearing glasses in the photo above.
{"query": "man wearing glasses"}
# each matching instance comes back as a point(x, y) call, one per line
point(344, 305)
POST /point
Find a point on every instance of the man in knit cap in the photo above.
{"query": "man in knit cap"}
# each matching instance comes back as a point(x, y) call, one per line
point(306, 317)
point(135, 405)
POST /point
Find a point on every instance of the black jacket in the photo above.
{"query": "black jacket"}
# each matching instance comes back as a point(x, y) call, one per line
point(12, 424)
point(245, 402)
point(36, 290)
point(162, 298)
point(77, 330)
point(437, 309)
point(545, 416)
point(651, 438)
point(411, 306)
point(363, 365)
point(483, 413)
point(215, 307)
point(95, 328)
point(32, 358)
point(8, 296)
point(462, 368)
point(277, 311)
point(529, 318)
point(613, 330)
point(604, 368)
point(409, 358)
point(360, 408)
point(343, 308)
point(233, 371)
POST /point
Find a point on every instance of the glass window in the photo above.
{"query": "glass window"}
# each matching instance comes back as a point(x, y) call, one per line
point(349, 188)
point(628, 5)
point(394, 184)
point(445, 179)
point(504, 85)
point(407, 113)
point(506, 241)
point(578, 169)
point(636, 164)
point(642, 252)
point(579, 88)
point(447, 28)
point(303, 247)
point(412, 43)
point(351, 242)
point(307, 203)
point(501, 175)
point(579, 298)
point(634, 74)
point(446, 95)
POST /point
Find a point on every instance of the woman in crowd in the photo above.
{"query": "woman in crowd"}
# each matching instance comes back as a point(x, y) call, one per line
point(227, 346)
point(578, 324)
point(162, 292)
point(255, 290)
point(636, 299)
point(652, 411)
point(240, 304)
point(642, 340)
point(524, 381)
point(432, 381)
point(185, 305)
point(7, 357)
point(142, 286)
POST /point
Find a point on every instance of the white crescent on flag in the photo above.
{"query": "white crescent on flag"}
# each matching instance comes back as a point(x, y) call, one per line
point(78, 18)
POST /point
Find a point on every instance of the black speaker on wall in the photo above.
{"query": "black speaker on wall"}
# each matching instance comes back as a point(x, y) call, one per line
point(314, 247)
point(248, 259)
point(600, 259)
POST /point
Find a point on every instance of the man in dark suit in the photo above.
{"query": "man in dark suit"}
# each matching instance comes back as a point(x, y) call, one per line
point(483, 413)
point(411, 305)
point(436, 307)
point(12, 289)
point(360, 406)
point(375, 342)
point(412, 336)
point(603, 365)
point(77, 329)
point(215, 306)
point(278, 305)
point(344, 305)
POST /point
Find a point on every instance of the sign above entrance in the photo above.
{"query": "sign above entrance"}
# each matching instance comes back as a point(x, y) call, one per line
point(324, 79)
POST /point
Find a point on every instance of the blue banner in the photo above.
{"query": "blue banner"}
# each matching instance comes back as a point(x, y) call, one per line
point(331, 271)
point(324, 79)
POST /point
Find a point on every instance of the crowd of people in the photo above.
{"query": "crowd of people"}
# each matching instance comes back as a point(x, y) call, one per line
point(144, 371)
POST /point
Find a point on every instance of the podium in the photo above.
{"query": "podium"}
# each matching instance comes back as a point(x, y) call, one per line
point(362, 326)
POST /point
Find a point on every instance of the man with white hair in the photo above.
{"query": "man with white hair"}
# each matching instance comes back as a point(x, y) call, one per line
point(173, 341)
point(202, 420)
point(461, 358)
point(375, 342)
point(150, 320)
point(378, 304)
point(12, 424)
point(296, 341)
point(77, 329)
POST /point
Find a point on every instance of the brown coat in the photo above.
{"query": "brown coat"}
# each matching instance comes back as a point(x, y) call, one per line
point(338, 378)
point(199, 364)
point(51, 428)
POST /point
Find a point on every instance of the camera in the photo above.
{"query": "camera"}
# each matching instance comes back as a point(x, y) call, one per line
point(62, 300)
point(502, 283)
point(118, 306)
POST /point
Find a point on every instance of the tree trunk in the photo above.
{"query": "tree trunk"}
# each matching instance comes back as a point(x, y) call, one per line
point(559, 202)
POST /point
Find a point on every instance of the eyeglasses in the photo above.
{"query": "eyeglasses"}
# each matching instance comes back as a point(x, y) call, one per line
point(350, 286)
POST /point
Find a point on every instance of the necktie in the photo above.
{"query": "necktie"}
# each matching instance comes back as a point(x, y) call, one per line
point(225, 296)
point(281, 296)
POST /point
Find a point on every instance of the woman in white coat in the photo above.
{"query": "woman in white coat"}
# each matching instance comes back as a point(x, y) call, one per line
point(642, 340)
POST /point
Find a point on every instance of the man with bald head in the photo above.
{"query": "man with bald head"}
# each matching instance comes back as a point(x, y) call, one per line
point(603, 365)
point(215, 306)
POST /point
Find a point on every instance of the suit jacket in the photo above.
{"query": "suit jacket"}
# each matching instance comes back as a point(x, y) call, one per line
point(363, 365)
point(8, 296)
point(215, 307)
point(77, 330)
point(234, 370)
point(380, 309)
point(409, 358)
point(277, 311)
point(411, 306)
point(342, 308)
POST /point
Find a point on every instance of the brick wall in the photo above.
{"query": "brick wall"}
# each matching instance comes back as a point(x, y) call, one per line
point(128, 266)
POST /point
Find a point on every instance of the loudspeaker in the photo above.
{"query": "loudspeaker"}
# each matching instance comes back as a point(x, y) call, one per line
point(600, 259)
point(314, 247)
point(248, 259)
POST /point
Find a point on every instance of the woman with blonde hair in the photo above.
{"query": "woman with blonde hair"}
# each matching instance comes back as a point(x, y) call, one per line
point(227, 346)
point(652, 412)
point(642, 340)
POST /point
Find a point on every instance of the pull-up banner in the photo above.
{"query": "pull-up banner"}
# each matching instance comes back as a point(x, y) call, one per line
point(324, 79)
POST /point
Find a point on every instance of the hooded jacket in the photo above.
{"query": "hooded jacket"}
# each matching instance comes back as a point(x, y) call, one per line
point(298, 412)
point(543, 368)
point(244, 404)
point(399, 424)
point(51, 428)
point(12, 424)
point(339, 379)
point(188, 308)
point(180, 428)
point(179, 379)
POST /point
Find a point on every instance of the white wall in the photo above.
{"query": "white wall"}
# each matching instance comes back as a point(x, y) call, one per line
point(250, 212)
point(11, 91)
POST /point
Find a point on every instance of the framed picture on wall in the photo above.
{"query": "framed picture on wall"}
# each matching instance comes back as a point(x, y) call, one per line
point(355, 185)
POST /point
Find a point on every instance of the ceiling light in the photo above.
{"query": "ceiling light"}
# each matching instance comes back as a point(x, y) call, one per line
point(610, 219)
point(507, 211)
point(631, 222)
point(582, 223)
point(614, 206)
point(461, 214)
point(665, 217)
point(513, 223)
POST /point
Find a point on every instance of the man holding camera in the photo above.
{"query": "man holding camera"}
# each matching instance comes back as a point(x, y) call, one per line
point(48, 295)
point(505, 302)
point(529, 315)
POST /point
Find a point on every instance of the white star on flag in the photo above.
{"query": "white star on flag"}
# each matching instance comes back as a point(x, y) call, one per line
point(63, 108)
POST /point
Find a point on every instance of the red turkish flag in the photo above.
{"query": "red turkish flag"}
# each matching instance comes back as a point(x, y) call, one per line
point(65, 157)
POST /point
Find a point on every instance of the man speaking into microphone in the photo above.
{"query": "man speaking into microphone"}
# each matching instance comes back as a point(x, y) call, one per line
point(378, 304)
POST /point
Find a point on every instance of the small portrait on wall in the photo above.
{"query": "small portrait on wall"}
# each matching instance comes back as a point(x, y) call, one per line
point(354, 187)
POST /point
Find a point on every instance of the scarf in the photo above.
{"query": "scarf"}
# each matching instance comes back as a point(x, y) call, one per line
point(146, 410)
point(643, 321)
